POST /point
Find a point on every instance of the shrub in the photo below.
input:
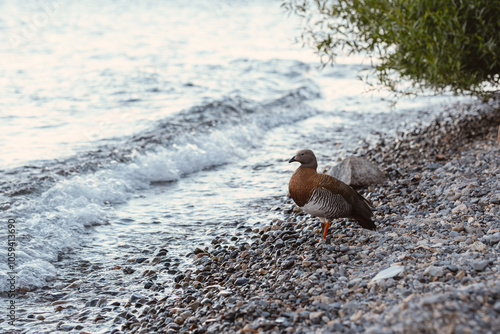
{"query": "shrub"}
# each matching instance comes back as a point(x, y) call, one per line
point(430, 44)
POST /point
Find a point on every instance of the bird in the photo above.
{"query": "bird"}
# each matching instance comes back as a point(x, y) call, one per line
point(326, 197)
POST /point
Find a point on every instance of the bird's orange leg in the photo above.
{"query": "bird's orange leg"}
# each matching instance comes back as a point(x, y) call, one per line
point(327, 225)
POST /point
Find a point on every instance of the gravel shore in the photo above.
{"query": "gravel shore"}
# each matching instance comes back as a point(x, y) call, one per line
point(438, 235)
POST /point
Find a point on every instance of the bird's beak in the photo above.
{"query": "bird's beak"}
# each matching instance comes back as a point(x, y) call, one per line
point(292, 159)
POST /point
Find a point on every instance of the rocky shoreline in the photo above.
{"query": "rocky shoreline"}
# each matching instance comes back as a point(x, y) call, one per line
point(438, 228)
point(437, 247)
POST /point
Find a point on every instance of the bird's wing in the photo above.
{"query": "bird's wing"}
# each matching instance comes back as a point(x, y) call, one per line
point(338, 187)
point(335, 186)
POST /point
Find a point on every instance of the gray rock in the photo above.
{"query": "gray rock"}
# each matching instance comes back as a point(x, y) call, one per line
point(460, 208)
point(458, 228)
point(494, 238)
point(92, 303)
point(315, 317)
point(241, 281)
point(206, 301)
point(304, 314)
point(186, 314)
point(357, 171)
point(67, 327)
point(288, 264)
point(435, 299)
point(480, 265)
point(434, 271)
point(135, 297)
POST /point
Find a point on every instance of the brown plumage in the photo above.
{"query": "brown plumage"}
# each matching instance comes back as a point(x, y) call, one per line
point(326, 197)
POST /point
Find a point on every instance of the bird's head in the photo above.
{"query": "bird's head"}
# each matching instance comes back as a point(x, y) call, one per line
point(306, 158)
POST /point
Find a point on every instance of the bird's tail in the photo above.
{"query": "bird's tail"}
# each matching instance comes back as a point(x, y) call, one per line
point(363, 213)
point(366, 222)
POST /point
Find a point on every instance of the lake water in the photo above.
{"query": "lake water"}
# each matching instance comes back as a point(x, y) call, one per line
point(129, 126)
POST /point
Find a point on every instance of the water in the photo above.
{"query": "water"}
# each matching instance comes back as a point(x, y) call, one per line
point(132, 126)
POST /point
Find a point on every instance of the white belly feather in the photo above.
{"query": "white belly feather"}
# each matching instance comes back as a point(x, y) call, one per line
point(314, 209)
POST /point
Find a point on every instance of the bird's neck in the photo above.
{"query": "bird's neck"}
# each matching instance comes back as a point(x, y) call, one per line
point(308, 169)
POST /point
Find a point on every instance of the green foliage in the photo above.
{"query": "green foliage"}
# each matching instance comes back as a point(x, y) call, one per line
point(432, 44)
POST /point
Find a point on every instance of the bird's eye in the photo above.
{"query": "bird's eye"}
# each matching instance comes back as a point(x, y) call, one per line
point(301, 153)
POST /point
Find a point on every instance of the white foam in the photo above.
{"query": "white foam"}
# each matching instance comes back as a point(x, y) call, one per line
point(54, 222)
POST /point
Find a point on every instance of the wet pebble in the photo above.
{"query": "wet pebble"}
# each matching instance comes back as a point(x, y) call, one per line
point(437, 232)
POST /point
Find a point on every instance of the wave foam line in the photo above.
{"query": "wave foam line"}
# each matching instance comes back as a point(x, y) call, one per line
point(53, 222)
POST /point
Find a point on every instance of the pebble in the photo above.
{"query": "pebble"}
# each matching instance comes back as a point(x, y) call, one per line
point(434, 271)
point(495, 238)
point(480, 265)
point(241, 281)
point(458, 228)
point(437, 232)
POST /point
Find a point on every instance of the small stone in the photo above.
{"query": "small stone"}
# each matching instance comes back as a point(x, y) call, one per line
point(198, 251)
point(102, 302)
point(306, 263)
point(480, 265)
point(452, 268)
point(388, 273)
point(429, 300)
point(344, 258)
point(495, 238)
point(206, 301)
point(315, 317)
point(458, 228)
point(225, 293)
point(186, 314)
point(194, 305)
point(162, 252)
point(66, 327)
point(288, 264)
point(128, 270)
point(461, 208)
point(179, 278)
point(356, 316)
point(136, 296)
point(479, 246)
point(434, 271)
point(241, 281)
point(91, 303)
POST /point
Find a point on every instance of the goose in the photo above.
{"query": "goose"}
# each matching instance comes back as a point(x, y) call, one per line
point(326, 197)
